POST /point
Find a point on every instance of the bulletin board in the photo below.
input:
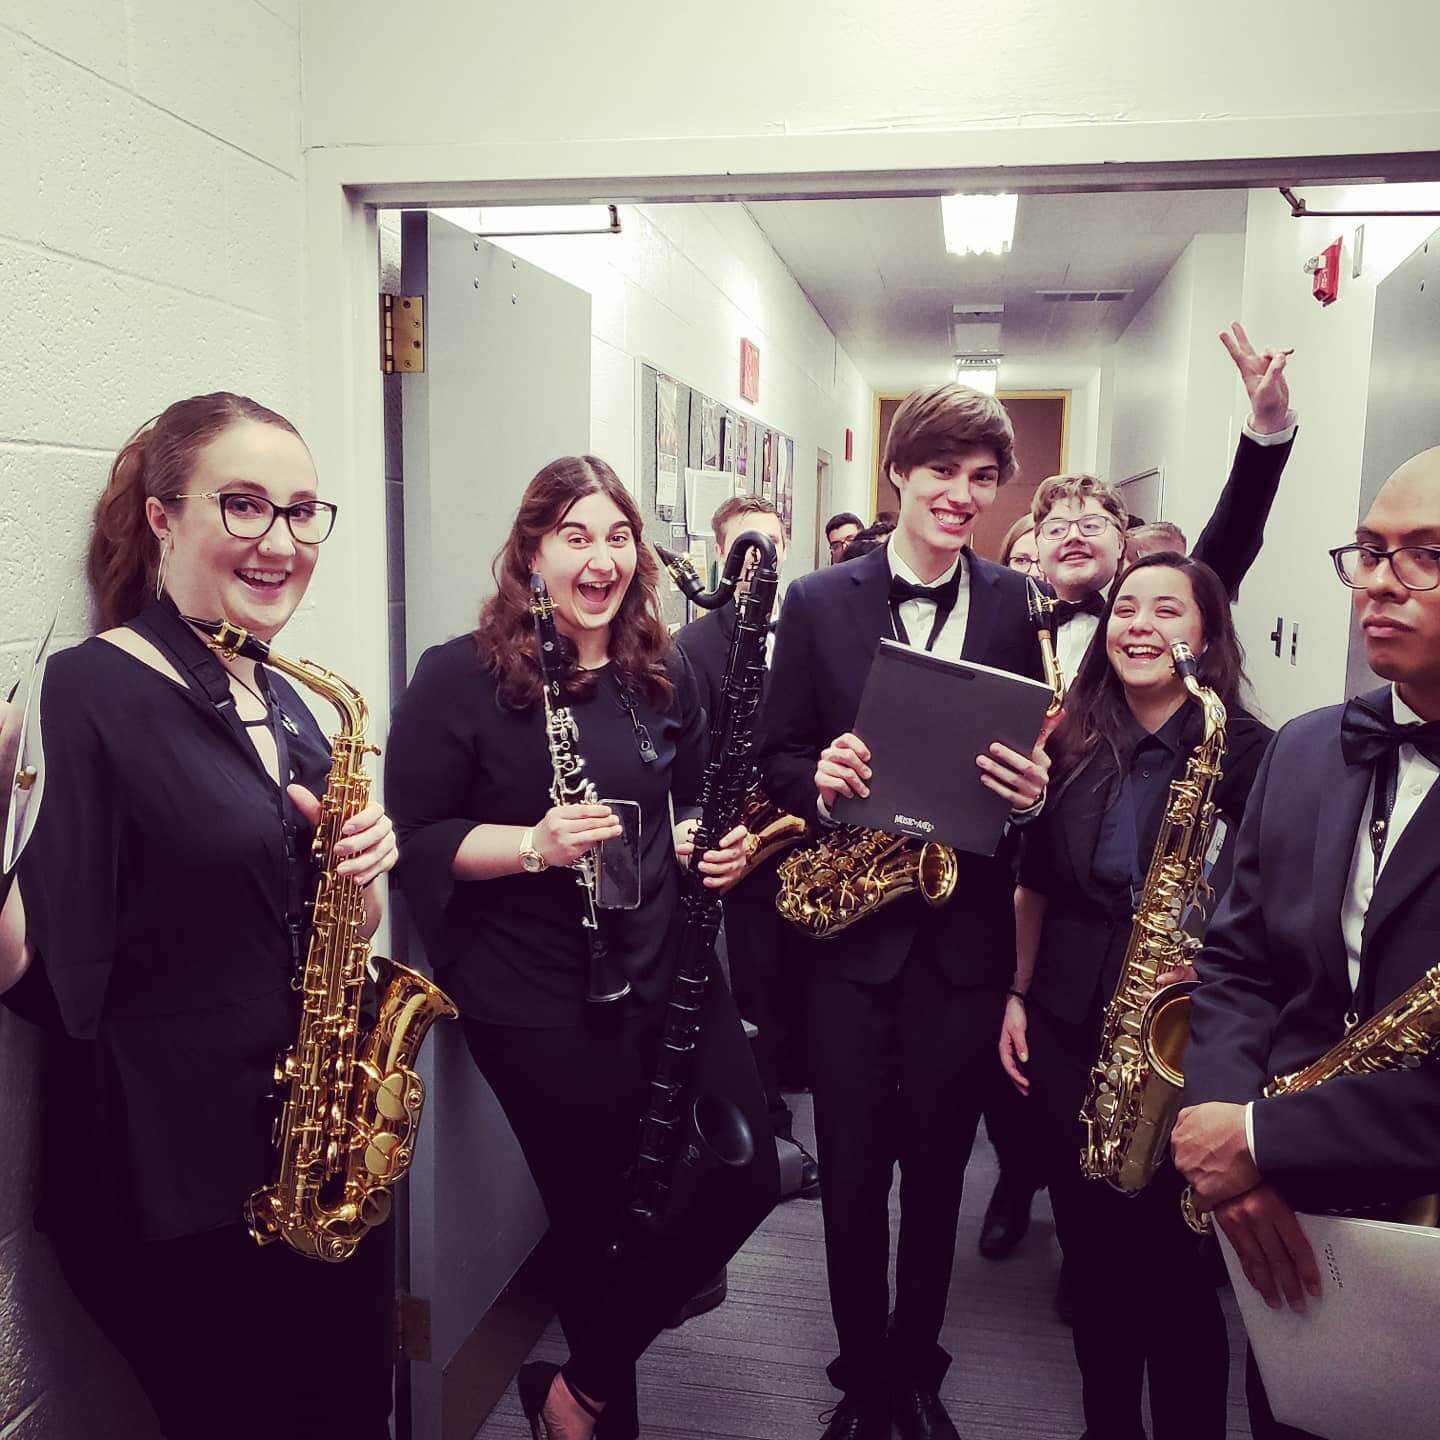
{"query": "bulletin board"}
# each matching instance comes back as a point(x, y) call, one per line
point(683, 430)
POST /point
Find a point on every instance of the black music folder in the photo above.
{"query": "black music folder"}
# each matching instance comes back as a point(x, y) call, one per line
point(925, 720)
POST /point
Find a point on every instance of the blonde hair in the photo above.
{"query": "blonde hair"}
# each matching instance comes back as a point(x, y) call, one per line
point(1052, 490)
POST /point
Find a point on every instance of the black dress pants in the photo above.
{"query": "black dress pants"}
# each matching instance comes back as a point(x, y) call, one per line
point(898, 1071)
point(1010, 1124)
point(755, 944)
point(574, 1098)
point(1145, 1301)
point(230, 1341)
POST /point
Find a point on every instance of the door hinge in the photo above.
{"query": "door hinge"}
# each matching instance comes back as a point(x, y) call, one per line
point(412, 1327)
point(402, 334)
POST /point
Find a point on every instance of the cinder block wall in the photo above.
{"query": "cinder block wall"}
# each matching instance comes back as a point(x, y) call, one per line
point(151, 214)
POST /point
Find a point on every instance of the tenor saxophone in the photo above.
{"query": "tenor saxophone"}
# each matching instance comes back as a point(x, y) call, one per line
point(350, 1096)
point(1136, 1081)
point(1401, 1034)
point(851, 871)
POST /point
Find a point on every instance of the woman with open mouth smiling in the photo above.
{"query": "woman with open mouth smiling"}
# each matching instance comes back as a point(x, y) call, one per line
point(165, 893)
point(487, 873)
point(1144, 1300)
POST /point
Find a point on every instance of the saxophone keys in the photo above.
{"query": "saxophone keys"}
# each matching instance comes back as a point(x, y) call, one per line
point(380, 1153)
point(391, 1096)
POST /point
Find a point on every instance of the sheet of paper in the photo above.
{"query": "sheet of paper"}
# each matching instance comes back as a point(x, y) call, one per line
point(1359, 1363)
point(705, 492)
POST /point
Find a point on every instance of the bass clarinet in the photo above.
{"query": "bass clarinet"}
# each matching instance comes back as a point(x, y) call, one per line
point(687, 1132)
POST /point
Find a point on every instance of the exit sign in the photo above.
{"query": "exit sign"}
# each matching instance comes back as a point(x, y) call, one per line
point(750, 371)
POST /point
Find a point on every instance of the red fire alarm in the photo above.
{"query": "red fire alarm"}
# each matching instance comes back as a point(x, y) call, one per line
point(1324, 270)
point(750, 371)
point(849, 444)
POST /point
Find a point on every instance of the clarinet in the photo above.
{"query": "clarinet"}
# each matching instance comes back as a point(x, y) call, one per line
point(568, 786)
point(686, 1133)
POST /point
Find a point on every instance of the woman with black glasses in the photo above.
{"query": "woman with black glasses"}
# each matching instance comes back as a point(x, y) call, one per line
point(163, 893)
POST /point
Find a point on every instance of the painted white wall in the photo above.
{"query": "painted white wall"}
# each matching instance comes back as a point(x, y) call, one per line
point(1171, 383)
point(809, 68)
point(149, 249)
point(1329, 378)
point(679, 288)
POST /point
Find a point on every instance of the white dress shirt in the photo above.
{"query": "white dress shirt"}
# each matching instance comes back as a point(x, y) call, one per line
point(1413, 780)
point(919, 615)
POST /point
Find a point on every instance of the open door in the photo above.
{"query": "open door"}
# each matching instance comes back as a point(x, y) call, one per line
point(505, 388)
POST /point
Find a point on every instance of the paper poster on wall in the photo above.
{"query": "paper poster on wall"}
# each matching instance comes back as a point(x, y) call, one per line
point(667, 443)
point(767, 466)
point(709, 435)
point(705, 492)
point(785, 480)
point(700, 556)
point(742, 456)
point(728, 425)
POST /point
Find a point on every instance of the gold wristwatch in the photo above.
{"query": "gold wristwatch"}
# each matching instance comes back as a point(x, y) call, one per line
point(532, 862)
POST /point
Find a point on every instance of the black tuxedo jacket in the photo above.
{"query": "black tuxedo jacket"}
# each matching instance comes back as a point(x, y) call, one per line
point(830, 625)
point(706, 643)
point(1235, 530)
point(1082, 943)
point(1276, 985)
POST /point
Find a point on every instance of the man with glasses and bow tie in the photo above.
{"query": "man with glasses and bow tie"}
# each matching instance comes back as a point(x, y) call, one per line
point(904, 1003)
point(1333, 911)
point(1080, 520)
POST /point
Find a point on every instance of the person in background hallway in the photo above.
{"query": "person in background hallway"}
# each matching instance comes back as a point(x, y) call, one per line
point(905, 1004)
point(486, 871)
point(872, 537)
point(1325, 916)
point(160, 945)
point(839, 531)
point(765, 953)
point(1151, 539)
point(1017, 549)
point(1144, 1299)
point(1080, 521)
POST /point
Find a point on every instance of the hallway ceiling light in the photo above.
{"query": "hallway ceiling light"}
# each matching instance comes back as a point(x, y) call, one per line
point(978, 224)
point(981, 372)
point(503, 222)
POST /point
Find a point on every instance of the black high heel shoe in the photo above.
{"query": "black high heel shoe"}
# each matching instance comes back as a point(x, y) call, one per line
point(534, 1382)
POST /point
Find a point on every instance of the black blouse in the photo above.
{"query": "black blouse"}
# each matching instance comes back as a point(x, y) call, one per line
point(1088, 915)
point(155, 889)
point(510, 950)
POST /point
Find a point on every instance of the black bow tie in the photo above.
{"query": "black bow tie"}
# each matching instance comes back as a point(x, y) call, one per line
point(1092, 604)
point(1368, 733)
point(942, 596)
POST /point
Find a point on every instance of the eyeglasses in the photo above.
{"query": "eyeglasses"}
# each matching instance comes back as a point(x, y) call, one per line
point(1023, 562)
point(250, 517)
point(1092, 527)
point(1416, 567)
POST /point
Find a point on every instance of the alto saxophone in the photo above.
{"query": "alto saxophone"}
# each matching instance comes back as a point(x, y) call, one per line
point(351, 1098)
point(1401, 1034)
point(851, 871)
point(1135, 1084)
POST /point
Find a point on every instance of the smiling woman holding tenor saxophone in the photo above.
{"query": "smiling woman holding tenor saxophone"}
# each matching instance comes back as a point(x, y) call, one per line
point(1143, 759)
point(165, 890)
point(565, 719)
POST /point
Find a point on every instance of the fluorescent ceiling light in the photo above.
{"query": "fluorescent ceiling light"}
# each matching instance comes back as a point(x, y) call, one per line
point(980, 372)
point(507, 221)
point(978, 224)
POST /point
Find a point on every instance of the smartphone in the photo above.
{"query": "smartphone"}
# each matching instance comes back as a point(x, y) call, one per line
point(618, 860)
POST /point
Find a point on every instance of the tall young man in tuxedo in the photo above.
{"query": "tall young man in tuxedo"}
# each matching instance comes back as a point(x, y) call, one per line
point(1333, 911)
point(905, 1000)
point(765, 956)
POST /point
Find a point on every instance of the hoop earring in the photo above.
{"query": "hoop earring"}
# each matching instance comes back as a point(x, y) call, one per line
point(160, 571)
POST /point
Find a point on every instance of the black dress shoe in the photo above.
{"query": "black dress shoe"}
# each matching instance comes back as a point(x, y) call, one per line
point(1007, 1218)
point(919, 1415)
point(856, 1419)
point(810, 1175)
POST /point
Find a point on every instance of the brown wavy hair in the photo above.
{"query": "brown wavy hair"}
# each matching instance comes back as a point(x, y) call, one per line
point(1096, 711)
point(157, 460)
point(505, 637)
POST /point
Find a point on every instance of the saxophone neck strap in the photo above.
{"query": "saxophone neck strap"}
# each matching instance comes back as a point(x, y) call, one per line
point(1382, 804)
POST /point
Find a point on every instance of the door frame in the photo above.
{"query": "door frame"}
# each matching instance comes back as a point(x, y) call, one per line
point(346, 185)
